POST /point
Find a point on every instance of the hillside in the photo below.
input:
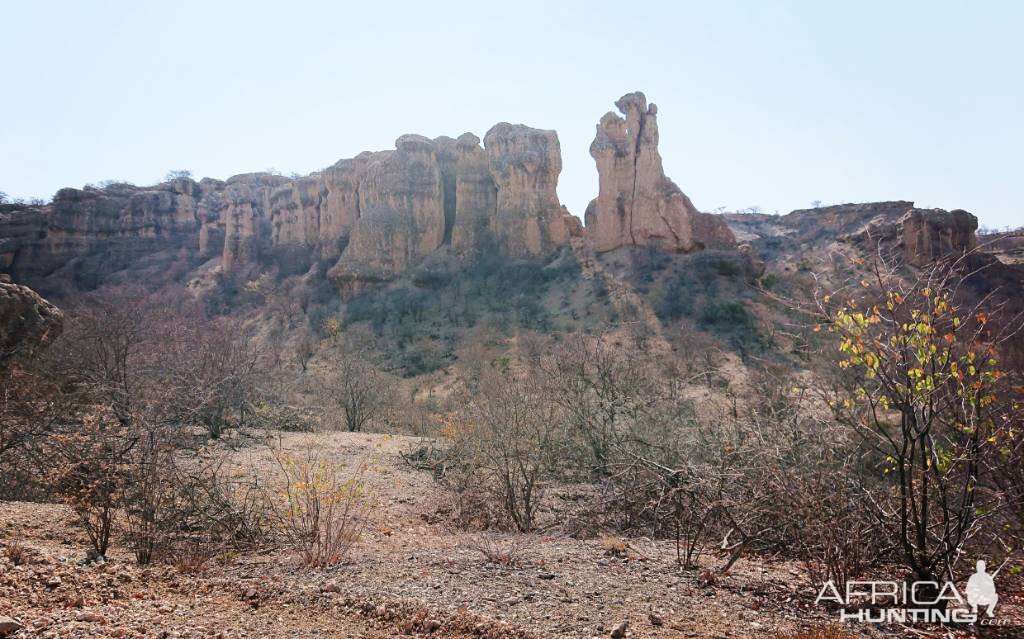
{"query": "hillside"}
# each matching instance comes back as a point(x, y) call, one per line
point(412, 394)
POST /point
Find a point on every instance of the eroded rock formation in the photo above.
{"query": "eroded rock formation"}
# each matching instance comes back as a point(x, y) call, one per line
point(380, 214)
point(375, 215)
point(443, 193)
point(637, 205)
point(917, 236)
point(931, 234)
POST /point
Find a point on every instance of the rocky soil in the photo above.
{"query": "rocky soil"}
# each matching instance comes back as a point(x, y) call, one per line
point(411, 575)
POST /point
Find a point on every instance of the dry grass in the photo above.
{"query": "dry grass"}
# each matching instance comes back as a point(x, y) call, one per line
point(500, 550)
point(613, 546)
point(16, 551)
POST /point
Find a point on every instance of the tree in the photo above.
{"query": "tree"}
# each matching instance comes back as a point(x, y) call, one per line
point(177, 174)
point(359, 391)
point(922, 383)
point(602, 394)
point(105, 337)
point(89, 471)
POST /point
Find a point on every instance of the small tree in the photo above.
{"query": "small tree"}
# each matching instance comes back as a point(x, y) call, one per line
point(505, 441)
point(177, 174)
point(921, 382)
point(359, 391)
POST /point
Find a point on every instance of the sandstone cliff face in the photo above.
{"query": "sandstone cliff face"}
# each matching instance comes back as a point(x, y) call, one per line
point(525, 164)
point(637, 205)
point(86, 234)
point(319, 210)
point(928, 235)
point(27, 322)
point(375, 215)
point(445, 194)
point(245, 216)
point(401, 213)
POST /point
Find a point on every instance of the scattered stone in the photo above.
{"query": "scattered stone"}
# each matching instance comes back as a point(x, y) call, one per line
point(619, 631)
point(90, 616)
point(8, 626)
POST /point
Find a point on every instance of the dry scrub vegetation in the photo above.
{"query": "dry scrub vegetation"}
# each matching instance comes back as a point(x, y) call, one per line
point(901, 455)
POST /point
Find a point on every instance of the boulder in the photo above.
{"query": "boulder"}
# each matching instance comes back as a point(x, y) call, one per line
point(27, 322)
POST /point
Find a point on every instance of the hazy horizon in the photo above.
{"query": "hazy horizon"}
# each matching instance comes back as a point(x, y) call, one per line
point(773, 107)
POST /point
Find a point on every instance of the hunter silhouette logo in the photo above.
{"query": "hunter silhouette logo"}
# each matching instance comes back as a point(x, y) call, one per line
point(918, 601)
point(981, 590)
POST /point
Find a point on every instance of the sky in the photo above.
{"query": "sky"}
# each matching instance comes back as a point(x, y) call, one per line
point(768, 104)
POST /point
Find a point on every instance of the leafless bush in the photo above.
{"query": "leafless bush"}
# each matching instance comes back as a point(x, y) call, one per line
point(357, 390)
point(506, 551)
point(89, 471)
point(504, 441)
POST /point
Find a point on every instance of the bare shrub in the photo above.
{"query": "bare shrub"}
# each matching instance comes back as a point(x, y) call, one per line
point(601, 394)
point(506, 551)
point(33, 403)
point(321, 510)
point(16, 552)
point(90, 473)
point(504, 441)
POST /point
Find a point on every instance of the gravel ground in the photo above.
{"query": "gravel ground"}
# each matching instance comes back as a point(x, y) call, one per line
point(410, 575)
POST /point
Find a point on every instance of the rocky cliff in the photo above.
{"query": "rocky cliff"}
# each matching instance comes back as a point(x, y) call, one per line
point(375, 215)
point(637, 205)
point(916, 236)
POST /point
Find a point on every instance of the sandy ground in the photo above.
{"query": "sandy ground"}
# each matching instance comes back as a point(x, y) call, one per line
point(411, 574)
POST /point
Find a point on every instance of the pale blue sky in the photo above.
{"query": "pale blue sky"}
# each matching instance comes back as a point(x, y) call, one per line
point(773, 104)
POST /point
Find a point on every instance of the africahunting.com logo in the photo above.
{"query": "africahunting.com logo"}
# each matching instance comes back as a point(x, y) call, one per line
point(888, 602)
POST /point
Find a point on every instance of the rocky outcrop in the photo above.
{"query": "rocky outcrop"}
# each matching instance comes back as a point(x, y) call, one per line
point(928, 235)
point(637, 205)
point(375, 215)
point(401, 213)
point(27, 322)
point(451, 195)
point(86, 234)
point(524, 165)
point(476, 196)
point(319, 210)
point(916, 236)
point(245, 216)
